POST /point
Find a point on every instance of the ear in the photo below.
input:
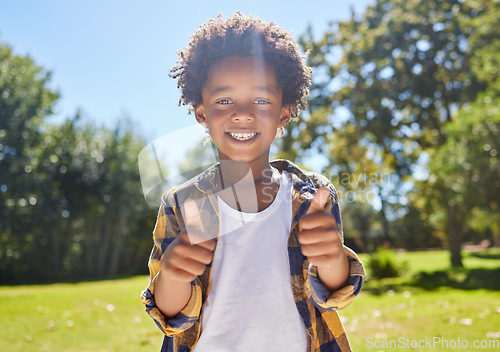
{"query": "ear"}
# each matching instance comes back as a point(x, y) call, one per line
point(199, 113)
point(285, 115)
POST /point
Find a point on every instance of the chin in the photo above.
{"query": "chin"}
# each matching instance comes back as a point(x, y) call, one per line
point(239, 159)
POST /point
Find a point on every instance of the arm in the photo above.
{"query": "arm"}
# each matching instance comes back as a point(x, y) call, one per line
point(335, 274)
point(321, 243)
point(173, 298)
point(327, 299)
point(181, 263)
point(171, 295)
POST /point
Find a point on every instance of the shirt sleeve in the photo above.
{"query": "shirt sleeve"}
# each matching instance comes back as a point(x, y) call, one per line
point(318, 293)
point(321, 296)
point(166, 230)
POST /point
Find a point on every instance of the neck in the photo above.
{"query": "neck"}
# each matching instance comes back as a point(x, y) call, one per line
point(232, 172)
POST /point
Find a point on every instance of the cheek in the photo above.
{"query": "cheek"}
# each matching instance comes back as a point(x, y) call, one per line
point(266, 112)
point(270, 117)
point(217, 115)
point(215, 120)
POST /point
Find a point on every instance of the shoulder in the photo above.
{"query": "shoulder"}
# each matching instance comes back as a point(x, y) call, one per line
point(193, 186)
point(304, 181)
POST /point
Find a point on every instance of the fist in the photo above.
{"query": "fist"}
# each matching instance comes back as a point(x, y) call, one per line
point(183, 261)
point(318, 236)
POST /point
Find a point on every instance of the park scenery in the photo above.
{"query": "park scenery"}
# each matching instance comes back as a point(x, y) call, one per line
point(403, 118)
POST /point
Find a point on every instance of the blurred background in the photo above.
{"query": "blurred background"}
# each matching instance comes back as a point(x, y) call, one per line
point(404, 118)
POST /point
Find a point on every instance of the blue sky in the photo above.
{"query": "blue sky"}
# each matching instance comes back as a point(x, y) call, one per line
point(111, 58)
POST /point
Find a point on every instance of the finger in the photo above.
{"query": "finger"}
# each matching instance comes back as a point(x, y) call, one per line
point(320, 249)
point(195, 252)
point(318, 235)
point(207, 244)
point(188, 265)
point(181, 275)
point(197, 238)
point(193, 236)
point(311, 221)
point(319, 201)
point(321, 260)
point(194, 224)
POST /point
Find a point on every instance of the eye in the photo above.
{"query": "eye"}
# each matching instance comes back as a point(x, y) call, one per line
point(223, 101)
point(262, 102)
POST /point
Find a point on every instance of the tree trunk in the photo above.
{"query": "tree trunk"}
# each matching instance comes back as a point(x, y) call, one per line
point(115, 256)
point(454, 232)
point(106, 232)
point(385, 222)
point(92, 225)
point(56, 252)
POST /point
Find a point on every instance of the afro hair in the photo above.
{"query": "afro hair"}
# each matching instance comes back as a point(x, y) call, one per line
point(242, 36)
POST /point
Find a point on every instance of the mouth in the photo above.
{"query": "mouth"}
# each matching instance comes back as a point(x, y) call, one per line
point(243, 136)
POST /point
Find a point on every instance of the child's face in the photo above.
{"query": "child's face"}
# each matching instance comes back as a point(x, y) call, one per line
point(242, 107)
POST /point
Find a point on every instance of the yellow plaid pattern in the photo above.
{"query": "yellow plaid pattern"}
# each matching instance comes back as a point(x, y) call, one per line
point(316, 305)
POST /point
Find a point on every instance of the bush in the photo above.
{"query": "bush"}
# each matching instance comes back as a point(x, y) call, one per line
point(383, 264)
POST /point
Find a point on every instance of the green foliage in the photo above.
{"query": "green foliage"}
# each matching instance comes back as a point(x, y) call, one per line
point(387, 83)
point(469, 160)
point(25, 100)
point(70, 198)
point(485, 41)
point(467, 164)
point(364, 228)
point(403, 66)
point(383, 264)
point(197, 159)
point(413, 230)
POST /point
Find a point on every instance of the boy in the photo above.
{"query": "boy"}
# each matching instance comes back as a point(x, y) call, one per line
point(248, 255)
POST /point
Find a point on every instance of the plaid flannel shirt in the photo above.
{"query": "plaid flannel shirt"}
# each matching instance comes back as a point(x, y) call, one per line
point(316, 304)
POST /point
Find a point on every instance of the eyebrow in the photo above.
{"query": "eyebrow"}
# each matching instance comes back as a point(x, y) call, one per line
point(270, 89)
point(219, 89)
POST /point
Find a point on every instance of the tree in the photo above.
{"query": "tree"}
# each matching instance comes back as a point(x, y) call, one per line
point(90, 190)
point(197, 159)
point(468, 165)
point(71, 202)
point(389, 82)
point(25, 100)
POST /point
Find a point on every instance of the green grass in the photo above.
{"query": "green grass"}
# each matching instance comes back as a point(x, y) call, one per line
point(445, 313)
point(87, 316)
point(429, 301)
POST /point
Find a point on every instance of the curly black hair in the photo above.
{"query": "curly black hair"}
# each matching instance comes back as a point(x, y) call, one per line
point(242, 36)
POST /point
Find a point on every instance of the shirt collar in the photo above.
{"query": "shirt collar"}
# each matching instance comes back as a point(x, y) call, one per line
point(301, 182)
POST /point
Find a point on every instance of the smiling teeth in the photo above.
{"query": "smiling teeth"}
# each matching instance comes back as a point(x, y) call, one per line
point(242, 136)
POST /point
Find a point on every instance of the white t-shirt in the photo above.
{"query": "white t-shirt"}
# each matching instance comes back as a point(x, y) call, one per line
point(250, 306)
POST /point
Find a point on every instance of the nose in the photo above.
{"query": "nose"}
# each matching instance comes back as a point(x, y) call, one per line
point(243, 114)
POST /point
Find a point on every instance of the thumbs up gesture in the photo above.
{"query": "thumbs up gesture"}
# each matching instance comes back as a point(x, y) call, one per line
point(321, 243)
point(186, 257)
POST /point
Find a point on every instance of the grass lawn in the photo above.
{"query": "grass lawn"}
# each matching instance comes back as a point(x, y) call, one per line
point(430, 301)
point(88, 316)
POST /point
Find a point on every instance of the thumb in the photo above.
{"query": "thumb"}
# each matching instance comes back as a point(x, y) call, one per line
point(192, 215)
point(319, 201)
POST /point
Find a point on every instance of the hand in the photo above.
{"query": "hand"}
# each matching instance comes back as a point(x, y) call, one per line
point(183, 261)
point(318, 234)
